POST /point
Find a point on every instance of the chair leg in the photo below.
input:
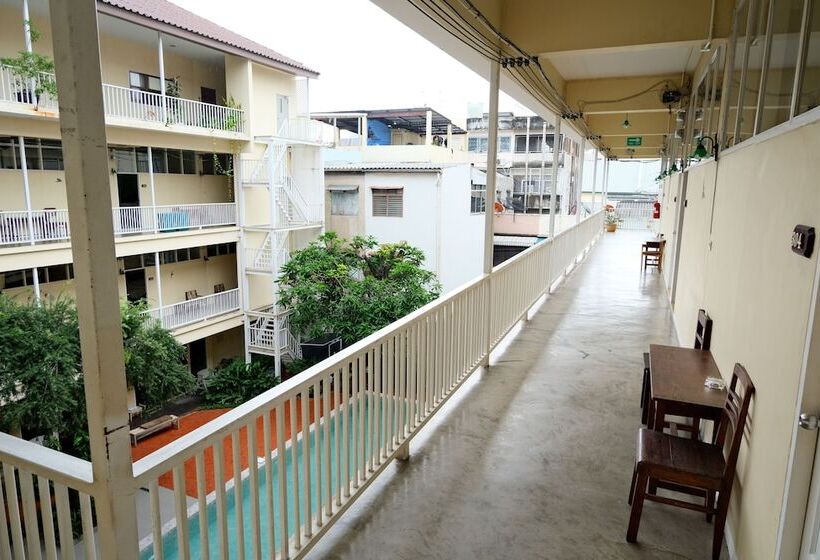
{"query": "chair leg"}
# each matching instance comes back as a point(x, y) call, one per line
point(632, 485)
point(710, 504)
point(637, 506)
point(653, 486)
point(696, 428)
point(720, 524)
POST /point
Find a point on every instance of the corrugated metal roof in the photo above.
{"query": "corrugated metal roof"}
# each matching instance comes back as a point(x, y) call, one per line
point(386, 166)
point(172, 15)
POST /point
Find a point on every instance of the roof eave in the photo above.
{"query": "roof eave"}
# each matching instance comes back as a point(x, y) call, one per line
point(168, 29)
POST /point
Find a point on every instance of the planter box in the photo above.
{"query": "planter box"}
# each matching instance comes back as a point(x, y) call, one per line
point(321, 347)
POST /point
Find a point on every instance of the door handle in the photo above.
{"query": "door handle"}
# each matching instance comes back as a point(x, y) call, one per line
point(808, 421)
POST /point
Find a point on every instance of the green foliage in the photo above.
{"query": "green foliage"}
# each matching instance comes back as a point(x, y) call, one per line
point(154, 360)
point(41, 382)
point(353, 288)
point(231, 121)
point(32, 68)
point(235, 382)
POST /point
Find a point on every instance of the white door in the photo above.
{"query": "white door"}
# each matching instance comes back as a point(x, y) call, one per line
point(282, 110)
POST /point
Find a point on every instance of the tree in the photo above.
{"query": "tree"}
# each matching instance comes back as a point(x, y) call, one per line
point(41, 381)
point(235, 382)
point(353, 288)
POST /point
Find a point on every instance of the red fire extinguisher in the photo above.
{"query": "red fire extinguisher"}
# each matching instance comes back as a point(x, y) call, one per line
point(656, 212)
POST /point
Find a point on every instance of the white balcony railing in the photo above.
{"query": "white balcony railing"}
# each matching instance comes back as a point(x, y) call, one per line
point(194, 310)
point(307, 130)
point(134, 105)
point(17, 228)
point(367, 402)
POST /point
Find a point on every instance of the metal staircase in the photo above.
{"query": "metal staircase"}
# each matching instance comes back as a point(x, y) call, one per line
point(266, 328)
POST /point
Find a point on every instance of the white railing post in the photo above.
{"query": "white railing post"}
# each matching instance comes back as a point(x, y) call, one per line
point(82, 127)
point(557, 146)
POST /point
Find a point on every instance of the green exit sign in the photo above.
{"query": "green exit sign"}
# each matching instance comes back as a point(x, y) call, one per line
point(634, 140)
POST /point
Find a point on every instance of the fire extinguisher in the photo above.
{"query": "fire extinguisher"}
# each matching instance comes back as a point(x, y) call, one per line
point(656, 211)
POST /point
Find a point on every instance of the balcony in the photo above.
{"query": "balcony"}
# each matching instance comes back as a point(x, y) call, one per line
point(125, 106)
point(17, 227)
point(196, 310)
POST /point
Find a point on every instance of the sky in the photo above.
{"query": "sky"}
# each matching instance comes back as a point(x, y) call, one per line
point(366, 58)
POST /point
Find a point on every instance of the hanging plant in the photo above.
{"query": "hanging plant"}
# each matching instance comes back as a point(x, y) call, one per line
point(32, 73)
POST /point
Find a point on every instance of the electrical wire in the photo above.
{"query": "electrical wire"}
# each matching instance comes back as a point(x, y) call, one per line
point(582, 103)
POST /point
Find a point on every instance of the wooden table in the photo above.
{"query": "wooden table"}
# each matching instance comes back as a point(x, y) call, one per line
point(676, 385)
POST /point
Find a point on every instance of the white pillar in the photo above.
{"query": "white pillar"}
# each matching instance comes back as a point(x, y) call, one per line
point(428, 128)
point(526, 183)
point(557, 147)
point(82, 126)
point(580, 187)
point(543, 163)
point(161, 56)
point(159, 281)
point(450, 135)
point(606, 183)
point(594, 178)
point(27, 26)
point(363, 131)
point(154, 215)
point(489, 195)
point(29, 213)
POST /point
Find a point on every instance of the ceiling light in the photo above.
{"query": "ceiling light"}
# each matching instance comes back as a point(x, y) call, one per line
point(626, 123)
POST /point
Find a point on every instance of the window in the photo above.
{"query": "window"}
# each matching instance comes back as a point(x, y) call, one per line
point(52, 154)
point(477, 199)
point(149, 83)
point(125, 160)
point(41, 153)
point(779, 80)
point(160, 163)
point(344, 200)
point(504, 143)
point(174, 161)
point(142, 160)
point(56, 273)
point(8, 152)
point(521, 143)
point(220, 249)
point(188, 162)
point(388, 203)
point(809, 94)
point(206, 164)
point(478, 145)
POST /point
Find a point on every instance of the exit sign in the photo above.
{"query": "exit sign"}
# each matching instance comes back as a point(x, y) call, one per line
point(634, 140)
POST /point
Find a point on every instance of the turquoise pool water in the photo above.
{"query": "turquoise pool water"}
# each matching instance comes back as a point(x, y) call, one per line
point(169, 541)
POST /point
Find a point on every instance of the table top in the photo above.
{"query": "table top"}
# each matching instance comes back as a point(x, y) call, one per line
point(677, 374)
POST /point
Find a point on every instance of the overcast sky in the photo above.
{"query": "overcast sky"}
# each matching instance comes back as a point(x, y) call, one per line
point(366, 58)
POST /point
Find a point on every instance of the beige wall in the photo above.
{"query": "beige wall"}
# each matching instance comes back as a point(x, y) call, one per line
point(345, 226)
point(225, 345)
point(758, 293)
point(266, 85)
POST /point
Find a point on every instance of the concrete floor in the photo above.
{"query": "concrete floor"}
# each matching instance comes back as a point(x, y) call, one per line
point(533, 458)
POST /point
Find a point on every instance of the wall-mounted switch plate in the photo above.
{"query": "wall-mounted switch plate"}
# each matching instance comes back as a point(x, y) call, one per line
point(803, 240)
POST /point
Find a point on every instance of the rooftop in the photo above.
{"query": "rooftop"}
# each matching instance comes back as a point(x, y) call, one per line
point(174, 20)
point(412, 119)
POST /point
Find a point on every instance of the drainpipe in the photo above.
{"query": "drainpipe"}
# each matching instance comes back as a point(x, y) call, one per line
point(162, 78)
point(556, 160)
point(489, 196)
point(29, 214)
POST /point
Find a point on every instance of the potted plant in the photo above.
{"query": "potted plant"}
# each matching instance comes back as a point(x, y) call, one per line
point(33, 74)
point(611, 221)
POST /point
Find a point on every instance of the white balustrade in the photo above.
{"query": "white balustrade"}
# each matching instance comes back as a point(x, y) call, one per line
point(16, 228)
point(132, 104)
point(634, 214)
point(367, 402)
point(305, 129)
point(194, 310)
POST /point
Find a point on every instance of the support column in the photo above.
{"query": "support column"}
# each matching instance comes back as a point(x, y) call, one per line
point(606, 182)
point(29, 213)
point(526, 182)
point(557, 147)
point(159, 281)
point(543, 163)
point(450, 136)
point(594, 178)
point(580, 187)
point(363, 131)
point(154, 215)
point(27, 26)
point(82, 126)
point(161, 56)
point(428, 129)
point(489, 195)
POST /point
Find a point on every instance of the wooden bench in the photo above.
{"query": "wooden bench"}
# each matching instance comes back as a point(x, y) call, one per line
point(154, 426)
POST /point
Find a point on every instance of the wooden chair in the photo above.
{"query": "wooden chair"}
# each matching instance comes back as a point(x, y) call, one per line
point(692, 467)
point(703, 339)
point(219, 288)
point(191, 294)
point(652, 254)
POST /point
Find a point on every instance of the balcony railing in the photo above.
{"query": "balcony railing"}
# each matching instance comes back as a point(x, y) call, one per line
point(367, 402)
point(306, 130)
point(18, 228)
point(195, 310)
point(134, 105)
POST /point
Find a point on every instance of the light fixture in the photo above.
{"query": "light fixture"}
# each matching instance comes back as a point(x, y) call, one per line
point(626, 123)
point(674, 168)
point(700, 150)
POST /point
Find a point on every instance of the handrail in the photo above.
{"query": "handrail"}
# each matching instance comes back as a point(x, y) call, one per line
point(195, 310)
point(197, 440)
point(72, 471)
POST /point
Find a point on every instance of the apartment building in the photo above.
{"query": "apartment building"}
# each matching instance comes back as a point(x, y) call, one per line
point(215, 173)
point(408, 179)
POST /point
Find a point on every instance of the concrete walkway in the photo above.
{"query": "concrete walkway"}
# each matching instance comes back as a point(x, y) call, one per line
point(533, 458)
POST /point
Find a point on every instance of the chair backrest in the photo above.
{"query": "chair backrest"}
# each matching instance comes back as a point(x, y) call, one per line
point(191, 294)
point(219, 288)
point(733, 422)
point(703, 331)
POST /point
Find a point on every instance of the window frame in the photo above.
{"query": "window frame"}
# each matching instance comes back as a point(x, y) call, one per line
point(388, 196)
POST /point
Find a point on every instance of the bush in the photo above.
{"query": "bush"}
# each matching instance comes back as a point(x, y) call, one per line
point(235, 382)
